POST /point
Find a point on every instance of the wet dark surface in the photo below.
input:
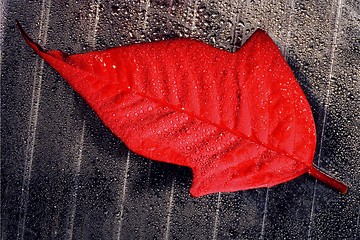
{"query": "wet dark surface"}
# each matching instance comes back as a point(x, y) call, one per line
point(65, 176)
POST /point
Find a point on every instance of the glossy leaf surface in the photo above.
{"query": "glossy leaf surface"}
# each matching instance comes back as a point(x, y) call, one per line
point(238, 120)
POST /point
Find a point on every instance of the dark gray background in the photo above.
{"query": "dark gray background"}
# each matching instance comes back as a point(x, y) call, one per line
point(65, 176)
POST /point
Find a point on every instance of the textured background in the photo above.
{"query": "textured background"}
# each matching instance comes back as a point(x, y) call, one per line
point(65, 176)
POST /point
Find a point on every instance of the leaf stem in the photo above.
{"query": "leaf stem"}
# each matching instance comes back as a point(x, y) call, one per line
point(328, 180)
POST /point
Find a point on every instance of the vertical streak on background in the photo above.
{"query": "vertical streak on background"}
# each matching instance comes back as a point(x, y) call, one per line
point(33, 120)
point(217, 217)
point(357, 225)
point(262, 232)
point(326, 106)
point(235, 22)
point(312, 211)
point(194, 18)
point(74, 189)
point(147, 6)
point(169, 210)
point(96, 23)
point(122, 202)
point(146, 200)
point(288, 30)
point(244, 28)
point(2, 20)
point(3, 4)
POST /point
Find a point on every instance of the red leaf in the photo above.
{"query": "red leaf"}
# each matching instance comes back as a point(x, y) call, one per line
point(238, 120)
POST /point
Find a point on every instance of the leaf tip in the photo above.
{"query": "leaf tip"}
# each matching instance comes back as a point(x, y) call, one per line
point(36, 47)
